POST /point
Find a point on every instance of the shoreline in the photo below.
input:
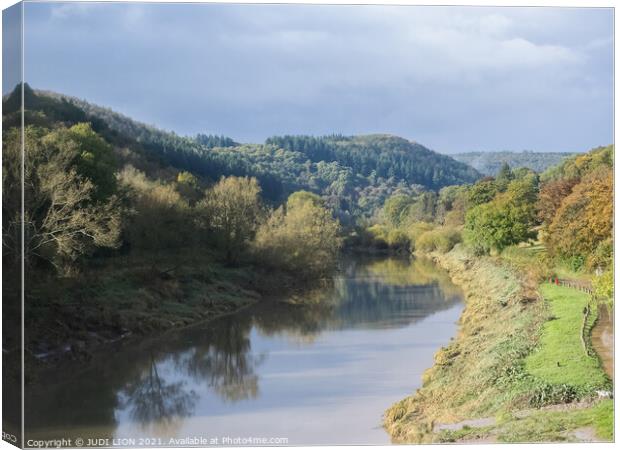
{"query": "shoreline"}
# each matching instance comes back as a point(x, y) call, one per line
point(89, 317)
point(478, 383)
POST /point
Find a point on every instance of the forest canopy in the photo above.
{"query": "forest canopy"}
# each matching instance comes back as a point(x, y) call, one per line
point(353, 174)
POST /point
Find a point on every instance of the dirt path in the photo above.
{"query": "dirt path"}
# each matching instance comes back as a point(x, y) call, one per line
point(603, 339)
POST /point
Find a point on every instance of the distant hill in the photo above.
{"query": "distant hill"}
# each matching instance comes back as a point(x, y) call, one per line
point(489, 163)
point(355, 174)
point(384, 156)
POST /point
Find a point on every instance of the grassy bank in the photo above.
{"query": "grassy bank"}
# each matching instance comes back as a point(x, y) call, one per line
point(501, 362)
point(137, 296)
point(560, 357)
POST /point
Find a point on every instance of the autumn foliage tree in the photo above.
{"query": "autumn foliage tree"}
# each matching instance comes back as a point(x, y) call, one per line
point(550, 198)
point(584, 219)
point(232, 209)
point(301, 236)
point(158, 217)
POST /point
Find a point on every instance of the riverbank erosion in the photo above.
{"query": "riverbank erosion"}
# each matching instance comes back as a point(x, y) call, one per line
point(484, 385)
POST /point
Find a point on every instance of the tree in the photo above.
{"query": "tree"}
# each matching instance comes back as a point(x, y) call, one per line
point(302, 237)
point(422, 209)
point(300, 197)
point(504, 177)
point(159, 218)
point(187, 178)
point(452, 204)
point(232, 209)
point(395, 208)
point(585, 217)
point(550, 198)
point(506, 220)
point(482, 192)
point(189, 187)
point(496, 225)
point(92, 156)
point(580, 165)
point(64, 217)
point(604, 285)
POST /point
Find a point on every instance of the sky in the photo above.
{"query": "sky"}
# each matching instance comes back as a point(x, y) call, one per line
point(454, 79)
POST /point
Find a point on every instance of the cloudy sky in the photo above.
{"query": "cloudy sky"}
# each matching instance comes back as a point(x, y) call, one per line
point(452, 78)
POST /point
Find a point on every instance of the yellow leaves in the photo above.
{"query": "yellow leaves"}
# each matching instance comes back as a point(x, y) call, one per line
point(302, 238)
point(585, 217)
point(187, 178)
point(87, 156)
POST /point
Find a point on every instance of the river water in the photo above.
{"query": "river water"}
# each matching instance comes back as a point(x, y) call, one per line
point(318, 369)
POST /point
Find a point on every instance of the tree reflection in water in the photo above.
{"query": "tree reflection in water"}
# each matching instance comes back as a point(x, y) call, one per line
point(156, 384)
point(153, 401)
point(224, 360)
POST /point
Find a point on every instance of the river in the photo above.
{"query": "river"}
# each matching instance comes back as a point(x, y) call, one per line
point(319, 369)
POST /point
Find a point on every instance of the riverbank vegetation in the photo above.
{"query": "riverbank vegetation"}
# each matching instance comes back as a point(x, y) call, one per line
point(130, 229)
point(520, 346)
point(557, 223)
point(492, 372)
point(119, 239)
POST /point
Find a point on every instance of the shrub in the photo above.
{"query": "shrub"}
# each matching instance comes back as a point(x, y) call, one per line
point(398, 239)
point(441, 239)
point(604, 284)
point(379, 235)
point(384, 237)
point(415, 230)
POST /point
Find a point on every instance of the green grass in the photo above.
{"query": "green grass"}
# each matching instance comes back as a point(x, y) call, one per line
point(554, 426)
point(560, 357)
point(505, 359)
point(465, 433)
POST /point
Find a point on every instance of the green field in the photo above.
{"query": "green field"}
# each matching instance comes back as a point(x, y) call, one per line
point(560, 357)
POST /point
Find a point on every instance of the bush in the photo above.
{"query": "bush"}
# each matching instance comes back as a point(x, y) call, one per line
point(415, 230)
point(576, 263)
point(441, 239)
point(384, 237)
point(552, 394)
point(398, 239)
point(379, 235)
point(604, 285)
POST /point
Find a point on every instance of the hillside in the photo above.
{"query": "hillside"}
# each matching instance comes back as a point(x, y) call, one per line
point(489, 163)
point(353, 174)
point(382, 156)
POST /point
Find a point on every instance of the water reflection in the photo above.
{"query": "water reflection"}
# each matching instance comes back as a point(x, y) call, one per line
point(275, 355)
point(223, 361)
point(151, 399)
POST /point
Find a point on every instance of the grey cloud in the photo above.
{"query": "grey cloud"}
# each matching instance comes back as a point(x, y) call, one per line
point(454, 79)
